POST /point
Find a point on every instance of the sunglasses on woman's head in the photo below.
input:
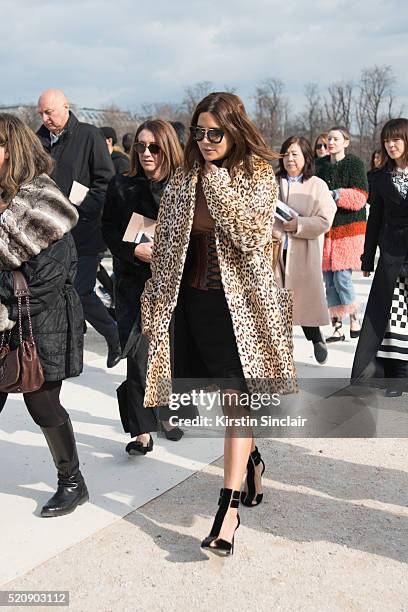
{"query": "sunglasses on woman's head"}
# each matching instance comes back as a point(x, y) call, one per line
point(321, 146)
point(214, 135)
point(140, 147)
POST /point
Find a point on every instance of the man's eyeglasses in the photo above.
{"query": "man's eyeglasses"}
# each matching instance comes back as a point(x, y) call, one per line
point(140, 147)
point(321, 145)
point(214, 135)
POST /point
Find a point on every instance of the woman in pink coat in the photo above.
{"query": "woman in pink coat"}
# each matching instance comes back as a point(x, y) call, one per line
point(300, 267)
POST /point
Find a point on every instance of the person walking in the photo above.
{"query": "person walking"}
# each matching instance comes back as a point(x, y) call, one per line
point(120, 160)
point(82, 167)
point(382, 349)
point(212, 268)
point(35, 239)
point(300, 268)
point(155, 155)
point(127, 142)
point(343, 245)
point(320, 146)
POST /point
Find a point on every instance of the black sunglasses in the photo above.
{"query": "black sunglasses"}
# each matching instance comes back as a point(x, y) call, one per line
point(321, 146)
point(214, 135)
point(140, 147)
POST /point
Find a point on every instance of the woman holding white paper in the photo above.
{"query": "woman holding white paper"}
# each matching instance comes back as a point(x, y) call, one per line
point(155, 155)
point(300, 267)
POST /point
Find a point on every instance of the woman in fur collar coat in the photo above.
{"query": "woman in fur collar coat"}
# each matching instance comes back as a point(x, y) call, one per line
point(212, 257)
point(35, 224)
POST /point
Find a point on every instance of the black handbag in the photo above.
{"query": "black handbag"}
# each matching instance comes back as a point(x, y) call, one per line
point(20, 368)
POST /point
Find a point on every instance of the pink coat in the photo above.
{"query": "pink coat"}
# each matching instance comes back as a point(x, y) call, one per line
point(303, 270)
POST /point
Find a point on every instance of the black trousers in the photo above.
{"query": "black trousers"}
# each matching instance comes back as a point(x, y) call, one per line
point(395, 368)
point(94, 310)
point(43, 405)
point(141, 419)
point(312, 333)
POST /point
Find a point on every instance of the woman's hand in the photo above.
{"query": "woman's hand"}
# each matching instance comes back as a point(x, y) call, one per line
point(290, 226)
point(366, 274)
point(143, 251)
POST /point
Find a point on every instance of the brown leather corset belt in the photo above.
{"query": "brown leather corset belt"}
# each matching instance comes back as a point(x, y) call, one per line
point(202, 270)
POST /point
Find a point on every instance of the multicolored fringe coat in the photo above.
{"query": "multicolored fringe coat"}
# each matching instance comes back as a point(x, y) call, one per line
point(344, 243)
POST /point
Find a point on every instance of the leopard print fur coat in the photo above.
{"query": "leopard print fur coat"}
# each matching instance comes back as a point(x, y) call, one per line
point(261, 312)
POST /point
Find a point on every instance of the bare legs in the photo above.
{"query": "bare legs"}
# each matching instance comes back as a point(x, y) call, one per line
point(238, 443)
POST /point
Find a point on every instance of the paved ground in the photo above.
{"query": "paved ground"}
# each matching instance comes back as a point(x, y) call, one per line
point(331, 534)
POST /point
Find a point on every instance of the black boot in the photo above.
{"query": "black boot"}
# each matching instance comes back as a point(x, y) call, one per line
point(72, 489)
point(114, 354)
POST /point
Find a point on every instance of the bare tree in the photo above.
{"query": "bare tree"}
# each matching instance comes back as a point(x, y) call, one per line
point(122, 121)
point(376, 99)
point(271, 109)
point(338, 105)
point(313, 114)
point(162, 110)
point(30, 116)
point(193, 95)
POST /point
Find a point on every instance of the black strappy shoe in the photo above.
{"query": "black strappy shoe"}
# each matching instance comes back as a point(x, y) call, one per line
point(228, 499)
point(251, 498)
point(337, 335)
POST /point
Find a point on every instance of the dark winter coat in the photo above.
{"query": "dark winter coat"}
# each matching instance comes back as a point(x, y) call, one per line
point(81, 155)
point(120, 161)
point(387, 228)
point(56, 311)
point(126, 195)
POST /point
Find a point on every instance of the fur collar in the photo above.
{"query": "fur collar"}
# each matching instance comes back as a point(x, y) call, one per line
point(37, 216)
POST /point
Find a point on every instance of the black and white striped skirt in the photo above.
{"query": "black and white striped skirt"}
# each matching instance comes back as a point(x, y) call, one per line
point(395, 342)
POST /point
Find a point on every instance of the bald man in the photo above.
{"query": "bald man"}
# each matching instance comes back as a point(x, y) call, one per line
point(81, 155)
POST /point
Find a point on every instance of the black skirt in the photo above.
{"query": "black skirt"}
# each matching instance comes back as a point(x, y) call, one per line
point(204, 341)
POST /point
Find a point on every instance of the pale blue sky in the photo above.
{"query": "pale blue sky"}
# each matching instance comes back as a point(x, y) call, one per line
point(130, 52)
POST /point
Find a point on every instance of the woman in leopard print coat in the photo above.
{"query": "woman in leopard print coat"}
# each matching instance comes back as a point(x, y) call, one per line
point(212, 258)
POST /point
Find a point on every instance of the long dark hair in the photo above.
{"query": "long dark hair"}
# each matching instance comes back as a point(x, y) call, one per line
point(373, 167)
point(27, 158)
point(395, 128)
point(229, 111)
point(304, 144)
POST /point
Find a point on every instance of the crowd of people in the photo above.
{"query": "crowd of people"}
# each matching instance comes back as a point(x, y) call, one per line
point(201, 293)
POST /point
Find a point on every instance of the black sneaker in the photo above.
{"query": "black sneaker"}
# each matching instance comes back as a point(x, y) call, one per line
point(320, 352)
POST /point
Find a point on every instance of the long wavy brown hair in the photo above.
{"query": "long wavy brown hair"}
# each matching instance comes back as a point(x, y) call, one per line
point(229, 111)
point(171, 153)
point(27, 158)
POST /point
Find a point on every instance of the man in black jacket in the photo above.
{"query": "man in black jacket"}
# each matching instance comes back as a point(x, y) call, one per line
point(81, 156)
point(120, 160)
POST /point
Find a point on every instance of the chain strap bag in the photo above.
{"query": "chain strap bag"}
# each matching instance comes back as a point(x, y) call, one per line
point(20, 369)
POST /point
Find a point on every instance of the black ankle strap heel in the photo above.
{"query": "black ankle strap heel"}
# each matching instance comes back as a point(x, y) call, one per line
point(251, 498)
point(337, 335)
point(228, 499)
